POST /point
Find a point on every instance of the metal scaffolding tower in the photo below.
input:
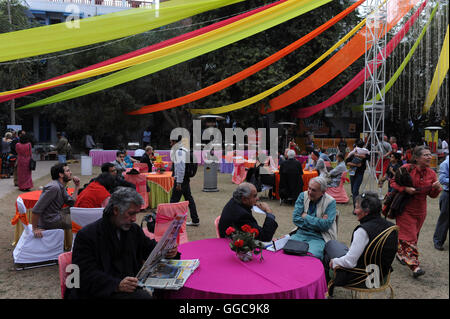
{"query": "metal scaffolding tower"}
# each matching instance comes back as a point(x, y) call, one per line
point(375, 80)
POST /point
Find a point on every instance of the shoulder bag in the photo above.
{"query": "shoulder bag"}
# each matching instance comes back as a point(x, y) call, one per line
point(32, 161)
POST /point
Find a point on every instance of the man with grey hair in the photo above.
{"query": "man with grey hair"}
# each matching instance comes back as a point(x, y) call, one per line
point(291, 180)
point(315, 216)
point(238, 212)
point(111, 251)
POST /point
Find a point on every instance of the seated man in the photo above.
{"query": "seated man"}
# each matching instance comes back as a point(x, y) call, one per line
point(119, 163)
point(291, 182)
point(48, 212)
point(371, 224)
point(97, 193)
point(238, 212)
point(147, 157)
point(110, 251)
point(315, 214)
point(119, 179)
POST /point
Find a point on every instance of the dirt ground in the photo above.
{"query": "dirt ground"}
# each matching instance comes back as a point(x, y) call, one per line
point(44, 282)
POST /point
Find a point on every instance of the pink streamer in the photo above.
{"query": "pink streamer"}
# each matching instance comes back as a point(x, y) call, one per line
point(359, 78)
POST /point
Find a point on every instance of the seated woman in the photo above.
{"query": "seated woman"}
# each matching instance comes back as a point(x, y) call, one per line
point(336, 173)
point(371, 224)
point(97, 193)
point(266, 168)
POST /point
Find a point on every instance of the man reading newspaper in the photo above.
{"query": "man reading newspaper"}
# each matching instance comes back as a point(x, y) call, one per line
point(111, 251)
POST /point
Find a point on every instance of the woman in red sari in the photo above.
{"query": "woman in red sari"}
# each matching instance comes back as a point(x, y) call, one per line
point(410, 222)
point(23, 149)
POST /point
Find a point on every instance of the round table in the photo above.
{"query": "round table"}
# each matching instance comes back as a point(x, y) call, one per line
point(160, 187)
point(30, 199)
point(222, 275)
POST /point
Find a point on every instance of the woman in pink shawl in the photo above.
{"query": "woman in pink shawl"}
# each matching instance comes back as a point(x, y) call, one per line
point(23, 149)
point(425, 183)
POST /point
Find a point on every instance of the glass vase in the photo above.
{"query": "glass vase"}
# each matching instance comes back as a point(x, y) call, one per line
point(245, 256)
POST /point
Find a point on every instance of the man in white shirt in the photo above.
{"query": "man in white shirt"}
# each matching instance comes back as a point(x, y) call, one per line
point(367, 210)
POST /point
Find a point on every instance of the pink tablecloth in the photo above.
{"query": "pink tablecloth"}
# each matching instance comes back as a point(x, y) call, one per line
point(222, 275)
point(103, 156)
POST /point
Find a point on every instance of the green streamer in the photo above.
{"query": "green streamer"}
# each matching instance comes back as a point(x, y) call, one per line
point(404, 63)
point(69, 35)
point(161, 63)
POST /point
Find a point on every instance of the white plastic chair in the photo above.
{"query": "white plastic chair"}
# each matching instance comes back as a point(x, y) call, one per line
point(31, 252)
point(83, 216)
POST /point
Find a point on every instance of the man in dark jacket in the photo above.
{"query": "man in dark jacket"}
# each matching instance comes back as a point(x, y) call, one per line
point(111, 251)
point(291, 181)
point(238, 212)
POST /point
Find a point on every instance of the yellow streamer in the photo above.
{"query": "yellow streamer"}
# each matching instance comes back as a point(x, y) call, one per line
point(63, 36)
point(166, 52)
point(260, 96)
point(439, 75)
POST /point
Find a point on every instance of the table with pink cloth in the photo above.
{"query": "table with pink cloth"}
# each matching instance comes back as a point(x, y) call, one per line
point(104, 156)
point(222, 275)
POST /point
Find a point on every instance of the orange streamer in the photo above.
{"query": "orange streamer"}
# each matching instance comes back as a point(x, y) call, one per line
point(247, 72)
point(397, 9)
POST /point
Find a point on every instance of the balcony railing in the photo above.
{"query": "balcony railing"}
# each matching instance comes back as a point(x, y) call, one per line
point(112, 3)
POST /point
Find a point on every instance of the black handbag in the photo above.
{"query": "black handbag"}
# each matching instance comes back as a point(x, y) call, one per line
point(32, 161)
point(296, 247)
point(150, 221)
point(32, 164)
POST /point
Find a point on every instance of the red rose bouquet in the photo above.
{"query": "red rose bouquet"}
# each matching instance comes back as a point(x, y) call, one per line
point(243, 242)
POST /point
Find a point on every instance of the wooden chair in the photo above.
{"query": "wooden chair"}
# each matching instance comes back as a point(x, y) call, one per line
point(360, 275)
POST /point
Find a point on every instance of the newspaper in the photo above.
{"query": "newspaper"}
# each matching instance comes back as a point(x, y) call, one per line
point(277, 244)
point(158, 272)
point(171, 274)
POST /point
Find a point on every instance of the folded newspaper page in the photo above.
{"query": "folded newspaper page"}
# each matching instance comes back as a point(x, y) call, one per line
point(171, 274)
point(158, 272)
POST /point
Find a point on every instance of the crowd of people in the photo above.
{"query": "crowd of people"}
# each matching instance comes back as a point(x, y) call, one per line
point(111, 251)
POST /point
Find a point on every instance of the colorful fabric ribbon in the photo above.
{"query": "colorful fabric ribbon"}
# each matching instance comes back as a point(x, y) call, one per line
point(260, 96)
point(339, 62)
point(439, 75)
point(63, 36)
point(97, 69)
point(356, 82)
point(243, 74)
point(402, 66)
point(203, 44)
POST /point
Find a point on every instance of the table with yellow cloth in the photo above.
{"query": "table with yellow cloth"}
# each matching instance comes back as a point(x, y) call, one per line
point(307, 175)
point(160, 186)
point(30, 199)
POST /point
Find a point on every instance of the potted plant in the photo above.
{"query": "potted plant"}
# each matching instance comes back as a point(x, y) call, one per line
point(243, 242)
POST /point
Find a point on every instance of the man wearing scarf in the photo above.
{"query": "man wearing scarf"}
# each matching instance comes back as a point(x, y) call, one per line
point(315, 216)
point(111, 251)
